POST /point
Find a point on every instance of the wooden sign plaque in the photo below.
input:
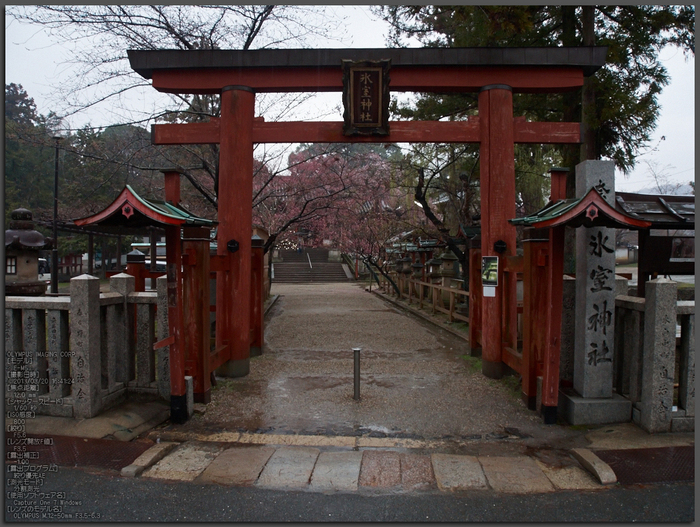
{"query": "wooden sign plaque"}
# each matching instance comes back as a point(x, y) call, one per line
point(366, 97)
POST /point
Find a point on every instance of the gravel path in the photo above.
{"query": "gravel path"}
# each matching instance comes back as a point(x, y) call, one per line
point(413, 381)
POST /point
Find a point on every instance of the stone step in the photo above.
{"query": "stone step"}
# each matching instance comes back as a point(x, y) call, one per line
point(315, 468)
point(297, 272)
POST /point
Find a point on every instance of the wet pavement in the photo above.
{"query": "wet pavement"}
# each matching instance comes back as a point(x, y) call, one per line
point(428, 421)
point(415, 381)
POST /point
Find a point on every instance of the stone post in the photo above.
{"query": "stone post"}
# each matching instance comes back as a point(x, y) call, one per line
point(145, 338)
point(34, 343)
point(85, 343)
point(59, 365)
point(592, 401)
point(658, 359)
point(121, 343)
point(163, 354)
point(13, 347)
point(595, 289)
point(686, 395)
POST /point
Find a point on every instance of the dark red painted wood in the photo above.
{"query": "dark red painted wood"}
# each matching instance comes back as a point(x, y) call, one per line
point(235, 221)
point(527, 79)
point(497, 172)
point(196, 316)
point(546, 133)
point(535, 306)
point(555, 278)
point(177, 354)
point(257, 298)
point(558, 184)
point(172, 186)
point(332, 132)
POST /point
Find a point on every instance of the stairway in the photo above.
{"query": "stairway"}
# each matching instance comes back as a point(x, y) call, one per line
point(295, 268)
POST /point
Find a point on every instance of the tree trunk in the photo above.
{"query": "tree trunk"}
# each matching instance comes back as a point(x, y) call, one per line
point(570, 153)
point(588, 147)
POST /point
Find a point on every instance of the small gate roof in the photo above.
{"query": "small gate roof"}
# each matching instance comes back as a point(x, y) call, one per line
point(589, 211)
point(132, 211)
point(663, 211)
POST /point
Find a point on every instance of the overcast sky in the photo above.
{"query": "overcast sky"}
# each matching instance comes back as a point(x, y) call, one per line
point(33, 61)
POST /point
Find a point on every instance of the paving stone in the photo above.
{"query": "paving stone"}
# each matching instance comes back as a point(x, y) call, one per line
point(337, 471)
point(289, 467)
point(519, 475)
point(380, 469)
point(185, 463)
point(416, 472)
point(453, 472)
point(569, 478)
point(237, 466)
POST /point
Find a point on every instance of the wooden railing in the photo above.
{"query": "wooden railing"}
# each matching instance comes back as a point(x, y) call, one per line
point(439, 298)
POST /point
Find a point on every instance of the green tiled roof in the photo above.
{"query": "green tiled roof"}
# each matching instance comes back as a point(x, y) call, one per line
point(173, 211)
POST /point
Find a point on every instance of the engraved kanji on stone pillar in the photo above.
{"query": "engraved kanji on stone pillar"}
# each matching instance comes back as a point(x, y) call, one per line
point(595, 289)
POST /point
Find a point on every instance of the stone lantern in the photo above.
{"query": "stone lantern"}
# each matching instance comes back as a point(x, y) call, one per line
point(417, 270)
point(449, 264)
point(434, 267)
point(22, 246)
point(405, 265)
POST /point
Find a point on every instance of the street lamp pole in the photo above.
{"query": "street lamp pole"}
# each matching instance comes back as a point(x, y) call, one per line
point(54, 251)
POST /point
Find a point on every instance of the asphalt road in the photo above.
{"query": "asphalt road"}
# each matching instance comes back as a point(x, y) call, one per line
point(107, 497)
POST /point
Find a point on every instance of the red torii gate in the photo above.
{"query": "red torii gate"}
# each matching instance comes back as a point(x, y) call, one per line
point(495, 73)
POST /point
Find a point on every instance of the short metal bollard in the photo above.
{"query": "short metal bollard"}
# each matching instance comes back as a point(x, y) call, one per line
point(356, 352)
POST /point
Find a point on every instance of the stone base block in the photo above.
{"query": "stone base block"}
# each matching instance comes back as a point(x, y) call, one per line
point(581, 411)
point(255, 351)
point(56, 410)
point(636, 415)
point(234, 368)
point(683, 424)
point(492, 370)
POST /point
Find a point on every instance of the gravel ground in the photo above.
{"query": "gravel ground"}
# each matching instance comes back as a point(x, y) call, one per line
point(414, 382)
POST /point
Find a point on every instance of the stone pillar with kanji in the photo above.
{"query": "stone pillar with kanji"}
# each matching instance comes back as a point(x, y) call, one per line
point(594, 400)
point(595, 289)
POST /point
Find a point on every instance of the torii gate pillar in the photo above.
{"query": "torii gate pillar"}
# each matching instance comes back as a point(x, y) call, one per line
point(235, 217)
point(497, 173)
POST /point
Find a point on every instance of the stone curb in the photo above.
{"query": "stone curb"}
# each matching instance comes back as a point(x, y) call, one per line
point(596, 466)
point(273, 300)
point(148, 458)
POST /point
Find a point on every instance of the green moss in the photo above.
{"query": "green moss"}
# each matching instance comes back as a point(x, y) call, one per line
point(473, 363)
